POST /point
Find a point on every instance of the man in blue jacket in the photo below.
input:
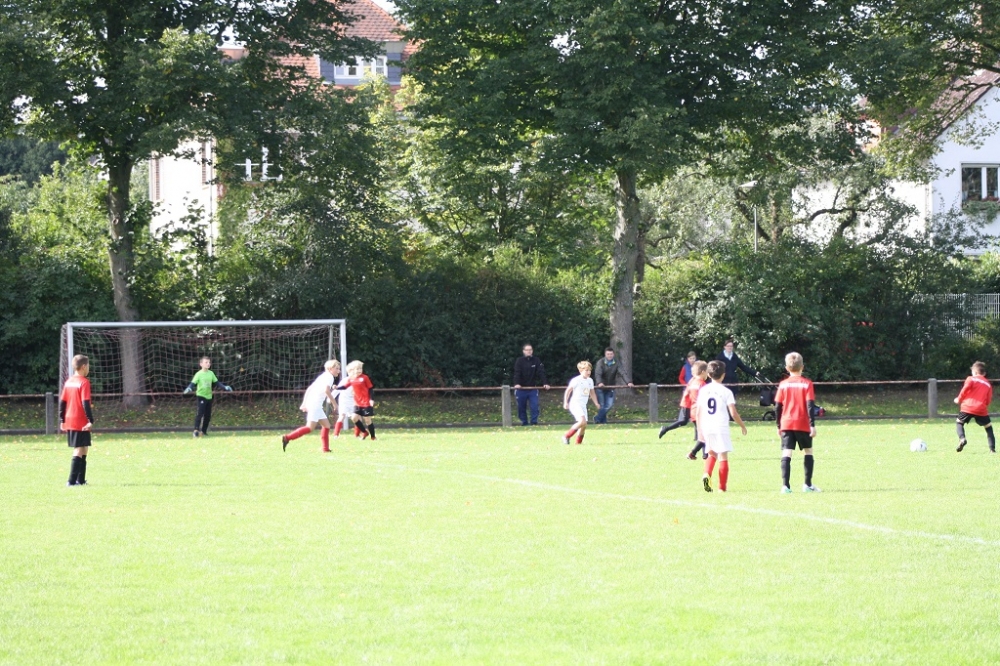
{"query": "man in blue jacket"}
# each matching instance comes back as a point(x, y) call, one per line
point(734, 362)
point(528, 372)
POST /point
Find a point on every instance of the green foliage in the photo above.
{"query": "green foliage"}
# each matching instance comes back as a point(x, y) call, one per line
point(850, 310)
point(28, 159)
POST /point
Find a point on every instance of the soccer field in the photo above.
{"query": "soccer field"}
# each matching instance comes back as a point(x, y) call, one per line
point(486, 546)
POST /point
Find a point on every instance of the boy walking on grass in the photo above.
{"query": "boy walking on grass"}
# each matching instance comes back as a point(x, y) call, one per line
point(698, 379)
point(795, 416)
point(76, 418)
point(974, 403)
point(202, 384)
point(715, 406)
point(580, 389)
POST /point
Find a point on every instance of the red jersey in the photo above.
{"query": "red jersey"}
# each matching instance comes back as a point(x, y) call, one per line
point(690, 397)
point(361, 385)
point(75, 392)
point(793, 394)
point(975, 396)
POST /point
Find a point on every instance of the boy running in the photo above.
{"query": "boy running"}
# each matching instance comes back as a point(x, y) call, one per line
point(363, 409)
point(974, 403)
point(203, 381)
point(684, 415)
point(794, 414)
point(699, 375)
point(580, 389)
point(76, 418)
point(318, 393)
point(713, 409)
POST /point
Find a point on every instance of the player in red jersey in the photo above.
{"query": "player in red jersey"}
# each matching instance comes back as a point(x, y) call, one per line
point(794, 414)
point(684, 415)
point(699, 376)
point(974, 403)
point(76, 418)
point(363, 409)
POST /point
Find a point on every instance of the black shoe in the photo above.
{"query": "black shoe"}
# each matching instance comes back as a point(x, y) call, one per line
point(704, 456)
point(663, 431)
point(81, 483)
point(961, 445)
point(707, 483)
point(284, 442)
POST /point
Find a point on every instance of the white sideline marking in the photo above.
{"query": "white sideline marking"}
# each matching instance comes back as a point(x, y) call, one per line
point(954, 538)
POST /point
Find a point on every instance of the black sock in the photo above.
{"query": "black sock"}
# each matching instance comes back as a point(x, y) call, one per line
point(675, 424)
point(697, 447)
point(786, 471)
point(361, 425)
point(808, 462)
point(83, 470)
point(371, 429)
point(960, 427)
point(990, 438)
point(74, 470)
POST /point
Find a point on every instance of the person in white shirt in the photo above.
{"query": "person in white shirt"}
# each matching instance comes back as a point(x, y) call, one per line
point(715, 405)
point(318, 393)
point(580, 389)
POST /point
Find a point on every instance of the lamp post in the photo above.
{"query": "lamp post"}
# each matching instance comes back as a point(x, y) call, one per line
point(749, 185)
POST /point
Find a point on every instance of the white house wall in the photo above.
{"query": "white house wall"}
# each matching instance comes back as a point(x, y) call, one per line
point(180, 185)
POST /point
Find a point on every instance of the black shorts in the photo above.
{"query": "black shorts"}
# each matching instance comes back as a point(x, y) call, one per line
point(365, 411)
point(78, 438)
point(789, 439)
point(964, 418)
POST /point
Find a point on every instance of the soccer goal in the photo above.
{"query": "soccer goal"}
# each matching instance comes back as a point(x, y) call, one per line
point(141, 359)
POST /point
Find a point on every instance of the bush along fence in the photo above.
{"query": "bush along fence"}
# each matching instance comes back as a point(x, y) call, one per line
point(36, 414)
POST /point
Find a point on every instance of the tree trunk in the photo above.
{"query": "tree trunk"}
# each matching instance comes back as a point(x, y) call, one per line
point(623, 258)
point(121, 255)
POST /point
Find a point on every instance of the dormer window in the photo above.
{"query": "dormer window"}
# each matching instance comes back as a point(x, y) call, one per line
point(980, 182)
point(362, 67)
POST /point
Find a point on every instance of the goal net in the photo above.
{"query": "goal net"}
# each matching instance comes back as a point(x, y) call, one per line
point(137, 362)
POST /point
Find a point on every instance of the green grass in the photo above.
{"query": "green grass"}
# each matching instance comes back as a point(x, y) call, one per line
point(499, 547)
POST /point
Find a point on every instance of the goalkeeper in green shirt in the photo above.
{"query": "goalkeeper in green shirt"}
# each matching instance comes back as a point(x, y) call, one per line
point(202, 384)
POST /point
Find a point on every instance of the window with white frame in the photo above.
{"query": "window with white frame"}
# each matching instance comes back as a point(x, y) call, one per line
point(980, 182)
point(362, 67)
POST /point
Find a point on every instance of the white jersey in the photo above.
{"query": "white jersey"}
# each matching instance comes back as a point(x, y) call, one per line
point(581, 391)
point(713, 409)
point(316, 393)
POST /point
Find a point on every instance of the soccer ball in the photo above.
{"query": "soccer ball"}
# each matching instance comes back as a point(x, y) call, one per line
point(918, 445)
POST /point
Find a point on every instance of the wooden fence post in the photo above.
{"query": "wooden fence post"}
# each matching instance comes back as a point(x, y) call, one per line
point(932, 398)
point(508, 421)
point(654, 404)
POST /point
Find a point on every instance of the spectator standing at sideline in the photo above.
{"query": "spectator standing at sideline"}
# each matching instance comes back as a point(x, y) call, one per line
point(734, 362)
point(607, 372)
point(528, 372)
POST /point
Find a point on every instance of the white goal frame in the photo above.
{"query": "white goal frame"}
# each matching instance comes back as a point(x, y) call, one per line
point(69, 326)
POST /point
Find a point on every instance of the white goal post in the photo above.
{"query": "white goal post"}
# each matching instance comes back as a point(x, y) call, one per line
point(252, 355)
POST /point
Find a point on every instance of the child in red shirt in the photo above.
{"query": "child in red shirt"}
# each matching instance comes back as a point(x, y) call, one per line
point(794, 414)
point(974, 403)
point(363, 408)
point(699, 376)
point(76, 418)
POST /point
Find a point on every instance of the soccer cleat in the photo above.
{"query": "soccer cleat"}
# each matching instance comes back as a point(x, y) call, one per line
point(565, 440)
point(704, 456)
point(692, 456)
point(810, 489)
point(364, 435)
point(663, 431)
point(705, 481)
point(785, 490)
point(284, 442)
point(961, 445)
point(197, 433)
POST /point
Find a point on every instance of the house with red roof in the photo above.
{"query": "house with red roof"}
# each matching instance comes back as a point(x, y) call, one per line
point(179, 185)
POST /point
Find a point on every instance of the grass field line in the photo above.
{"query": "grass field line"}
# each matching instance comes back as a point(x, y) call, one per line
point(840, 522)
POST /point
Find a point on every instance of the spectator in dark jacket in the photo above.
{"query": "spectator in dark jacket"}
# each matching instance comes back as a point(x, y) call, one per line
point(528, 372)
point(607, 372)
point(734, 362)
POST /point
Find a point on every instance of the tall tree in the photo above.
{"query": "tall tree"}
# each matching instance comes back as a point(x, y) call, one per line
point(631, 88)
point(122, 80)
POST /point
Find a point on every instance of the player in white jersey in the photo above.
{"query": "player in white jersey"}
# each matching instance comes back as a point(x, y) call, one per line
point(345, 410)
point(714, 407)
point(318, 393)
point(580, 389)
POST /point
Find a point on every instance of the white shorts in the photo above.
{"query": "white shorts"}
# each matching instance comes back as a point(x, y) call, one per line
point(579, 412)
point(718, 442)
point(315, 413)
point(345, 404)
